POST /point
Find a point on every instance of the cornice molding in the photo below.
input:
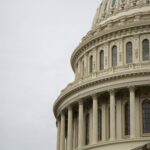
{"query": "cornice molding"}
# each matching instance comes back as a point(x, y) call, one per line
point(78, 87)
point(100, 36)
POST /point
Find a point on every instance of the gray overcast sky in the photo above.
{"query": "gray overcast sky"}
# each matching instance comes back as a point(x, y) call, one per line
point(37, 38)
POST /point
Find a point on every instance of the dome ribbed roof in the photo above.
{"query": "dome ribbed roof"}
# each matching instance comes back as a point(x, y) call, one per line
point(110, 8)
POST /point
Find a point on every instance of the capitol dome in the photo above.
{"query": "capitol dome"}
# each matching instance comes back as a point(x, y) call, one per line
point(107, 106)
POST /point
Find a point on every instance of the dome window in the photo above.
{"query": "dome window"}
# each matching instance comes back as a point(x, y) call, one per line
point(145, 50)
point(146, 116)
point(114, 56)
point(101, 56)
point(129, 53)
point(113, 3)
point(91, 64)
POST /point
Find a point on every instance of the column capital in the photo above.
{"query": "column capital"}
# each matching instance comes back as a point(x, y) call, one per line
point(70, 107)
point(62, 113)
point(112, 91)
point(94, 96)
point(132, 88)
point(81, 102)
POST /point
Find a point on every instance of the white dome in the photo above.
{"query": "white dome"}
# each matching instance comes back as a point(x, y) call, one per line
point(110, 8)
point(112, 79)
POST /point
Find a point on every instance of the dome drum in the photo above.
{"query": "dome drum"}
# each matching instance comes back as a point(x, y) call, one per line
point(107, 106)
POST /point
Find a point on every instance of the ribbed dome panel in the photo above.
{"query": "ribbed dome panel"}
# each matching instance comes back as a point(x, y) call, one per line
point(110, 8)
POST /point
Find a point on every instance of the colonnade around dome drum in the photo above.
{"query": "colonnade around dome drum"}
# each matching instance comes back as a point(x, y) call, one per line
point(114, 115)
point(108, 103)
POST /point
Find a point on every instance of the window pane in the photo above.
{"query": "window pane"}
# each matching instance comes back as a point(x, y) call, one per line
point(114, 56)
point(129, 53)
point(113, 2)
point(146, 116)
point(101, 60)
point(91, 64)
point(145, 48)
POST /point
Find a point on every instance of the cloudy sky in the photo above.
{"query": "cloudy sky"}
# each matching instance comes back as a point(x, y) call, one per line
point(37, 38)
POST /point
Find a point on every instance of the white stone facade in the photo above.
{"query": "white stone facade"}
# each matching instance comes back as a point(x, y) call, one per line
point(107, 107)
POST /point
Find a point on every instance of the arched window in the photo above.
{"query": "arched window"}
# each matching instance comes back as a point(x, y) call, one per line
point(91, 64)
point(146, 116)
point(114, 56)
point(99, 124)
point(129, 53)
point(87, 128)
point(127, 118)
point(113, 2)
point(145, 50)
point(101, 56)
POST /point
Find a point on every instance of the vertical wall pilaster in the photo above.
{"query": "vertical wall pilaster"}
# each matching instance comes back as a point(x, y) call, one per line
point(94, 61)
point(120, 52)
point(136, 49)
point(86, 65)
point(106, 56)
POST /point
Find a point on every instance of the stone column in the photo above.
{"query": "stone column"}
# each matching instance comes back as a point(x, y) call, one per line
point(95, 119)
point(104, 134)
point(58, 134)
point(80, 130)
point(112, 116)
point(62, 132)
point(132, 112)
point(70, 129)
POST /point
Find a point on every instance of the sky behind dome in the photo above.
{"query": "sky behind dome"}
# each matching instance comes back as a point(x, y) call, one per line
point(37, 38)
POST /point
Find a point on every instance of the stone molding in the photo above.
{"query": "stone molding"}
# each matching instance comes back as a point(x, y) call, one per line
point(101, 36)
point(88, 85)
point(146, 139)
